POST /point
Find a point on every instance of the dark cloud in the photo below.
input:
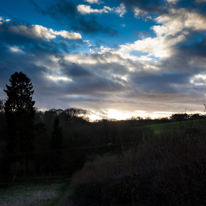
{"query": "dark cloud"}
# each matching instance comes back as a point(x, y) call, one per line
point(150, 6)
point(76, 71)
point(105, 67)
point(26, 36)
point(160, 82)
point(186, 58)
point(100, 82)
point(20, 52)
point(101, 65)
point(111, 69)
point(37, 7)
point(10, 29)
point(63, 9)
point(96, 85)
point(89, 25)
point(99, 43)
point(66, 13)
point(33, 57)
point(195, 48)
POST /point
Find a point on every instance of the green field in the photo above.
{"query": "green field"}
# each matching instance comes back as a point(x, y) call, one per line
point(157, 128)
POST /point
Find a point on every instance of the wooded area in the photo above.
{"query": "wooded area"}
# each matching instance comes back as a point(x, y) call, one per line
point(107, 159)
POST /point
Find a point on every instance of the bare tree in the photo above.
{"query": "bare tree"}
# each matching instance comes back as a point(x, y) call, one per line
point(205, 107)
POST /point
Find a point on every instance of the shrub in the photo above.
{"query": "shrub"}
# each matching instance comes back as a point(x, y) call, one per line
point(167, 170)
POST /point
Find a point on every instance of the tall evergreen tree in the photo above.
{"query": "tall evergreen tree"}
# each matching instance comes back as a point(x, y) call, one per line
point(1, 105)
point(20, 111)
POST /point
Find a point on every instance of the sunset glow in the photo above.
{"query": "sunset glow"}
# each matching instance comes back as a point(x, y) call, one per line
point(120, 57)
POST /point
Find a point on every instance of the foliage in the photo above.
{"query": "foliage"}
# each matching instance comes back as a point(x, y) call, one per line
point(1, 105)
point(131, 162)
point(56, 143)
point(179, 117)
point(2, 121)
point(167, 170)
point(56, 140)
point(19, 110)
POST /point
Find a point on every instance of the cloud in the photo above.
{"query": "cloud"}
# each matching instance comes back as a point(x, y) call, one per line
point(187, 58)
point(160, 46)
point(172, 1)
point(96, 85)
point(23, 51)
point(85, 9)
point(75, 71)
point(2, 20)
point(53, 77)
point(66, 11)
point(140, 13)
point(67, 35)
point(121, 10)
point(199, 79)
point(172, 88)
point(62, 8)
point(94, 58)
point(89, 25)
point(180, 20)
point(200, 1)
point(160, 82)
point(94, 1)
point(145, 7)
point(38, 31)
point(177, 27)
point(107, 64)
point(162, 73)
point(15, 49)
point(142, 34)
point(33, 31)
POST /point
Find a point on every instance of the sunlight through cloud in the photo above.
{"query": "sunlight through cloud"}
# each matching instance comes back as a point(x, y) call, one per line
point(59, 78)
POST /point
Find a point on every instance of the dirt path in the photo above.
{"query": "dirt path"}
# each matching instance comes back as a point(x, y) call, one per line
point(36, 195)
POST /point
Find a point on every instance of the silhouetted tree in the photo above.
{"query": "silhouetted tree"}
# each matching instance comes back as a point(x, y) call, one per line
point(19, 109)
point(73, 115)
point(179, 117)
point(1, 105)
point(2, 121)
point(56, 141)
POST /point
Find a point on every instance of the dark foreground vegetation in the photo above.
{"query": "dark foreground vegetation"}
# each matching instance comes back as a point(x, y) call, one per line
point(109, 162)
point(168, 169)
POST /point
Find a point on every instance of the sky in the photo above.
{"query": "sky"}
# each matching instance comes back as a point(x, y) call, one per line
point(116, 59)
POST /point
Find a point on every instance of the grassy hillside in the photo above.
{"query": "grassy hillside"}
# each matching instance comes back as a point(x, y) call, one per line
point(157, 128)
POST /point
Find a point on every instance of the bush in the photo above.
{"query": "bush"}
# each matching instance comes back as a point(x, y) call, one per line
point(167, 170)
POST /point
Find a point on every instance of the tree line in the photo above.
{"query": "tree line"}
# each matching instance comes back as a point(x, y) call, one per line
point(35, 142)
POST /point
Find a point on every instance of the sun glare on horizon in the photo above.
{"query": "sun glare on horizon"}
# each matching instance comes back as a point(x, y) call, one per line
point(112, 114)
